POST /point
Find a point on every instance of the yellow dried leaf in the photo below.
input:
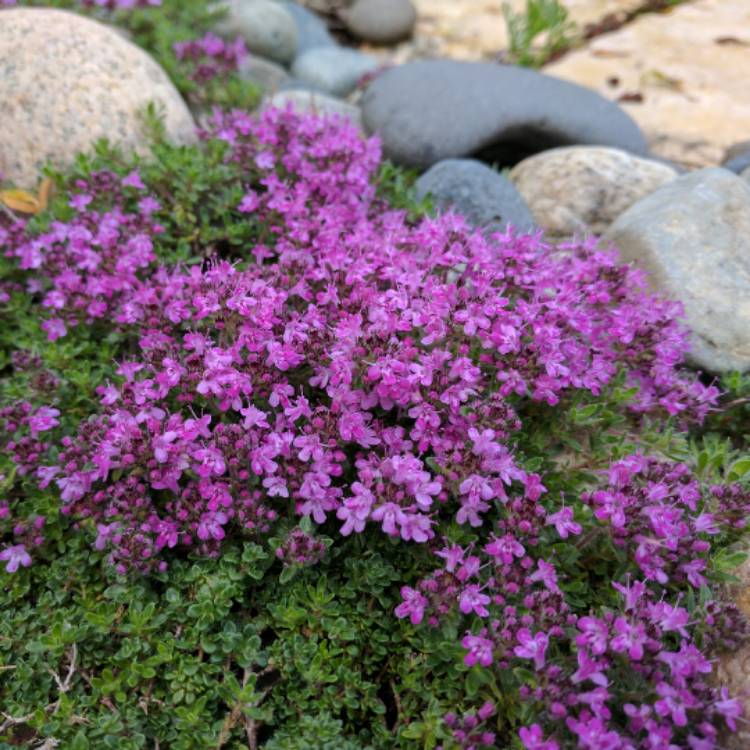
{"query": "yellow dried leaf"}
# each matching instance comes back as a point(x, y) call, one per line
point(20, 200)
point(45, 190)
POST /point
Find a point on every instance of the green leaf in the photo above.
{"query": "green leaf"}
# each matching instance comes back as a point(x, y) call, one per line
point(739, 469)
point(79, 742)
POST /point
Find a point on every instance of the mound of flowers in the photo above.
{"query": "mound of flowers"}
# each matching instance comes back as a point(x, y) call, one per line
point(380, 374)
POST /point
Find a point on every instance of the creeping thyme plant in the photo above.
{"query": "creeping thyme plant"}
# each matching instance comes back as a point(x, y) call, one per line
point(288, 462)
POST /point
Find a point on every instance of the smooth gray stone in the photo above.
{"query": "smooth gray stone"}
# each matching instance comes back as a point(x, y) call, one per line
point(486, 198)
point(312, 31)
point(335, 70)
point(693, 238)
point(381, 21)
point(270, 76)
point(267, 28)
point(427, 111)
point(294, 84)
point(737, 158)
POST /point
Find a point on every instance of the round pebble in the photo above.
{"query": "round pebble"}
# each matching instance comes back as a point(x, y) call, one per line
point(483, 196)
point(334, 70)
point(692, 236)
point(432, 110)
point(381, 21)
point(581, 189)
point(267, 28)
point(67, 81)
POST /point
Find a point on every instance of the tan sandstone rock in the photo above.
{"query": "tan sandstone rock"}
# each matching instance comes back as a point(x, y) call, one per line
point(67, 81)
point(476, 29)
point(580, 189)
point(690, 67)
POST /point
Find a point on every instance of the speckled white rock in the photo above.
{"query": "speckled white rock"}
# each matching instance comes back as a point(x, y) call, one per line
point(67, 81)
point(315, 103)
point(268, 28)
point(580, 189)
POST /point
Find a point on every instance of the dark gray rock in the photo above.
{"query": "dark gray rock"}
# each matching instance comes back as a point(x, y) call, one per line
point(486, 198)
point(381, 21)
point(311, 29)
point(335, 70)
point(427, 111)
point(267, 27)
point(693, 238)
point(268, 75)
point(737, 157)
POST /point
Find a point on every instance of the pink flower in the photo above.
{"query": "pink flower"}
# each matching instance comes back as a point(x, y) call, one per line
point(45, 418)
point(54, 328)
point(547, 574)
point(505, 548)
point(729, 708)
point(533, 739)
point(630, 637)
point(80, 201)
point(593, 734)
point(594, 634)
point(392, 517)
point(249, 203)
point(479, 650)
point(14, 556)
point(472, 600)
point(693, 571)
point(675, 703)
point(413, 605)
point(564, 523)
point(669, 618)
point(133, 180)
point(532, 646)
point(354, 513)
point(416, 527)
point(211, 526)
point(210, 462)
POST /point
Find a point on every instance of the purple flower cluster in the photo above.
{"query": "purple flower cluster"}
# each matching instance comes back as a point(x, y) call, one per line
point(470, 729)
point(211, 56)
point(366, 370)
point(87, 267)
point(658, 513)
point(280, 383)
point(644, 656)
